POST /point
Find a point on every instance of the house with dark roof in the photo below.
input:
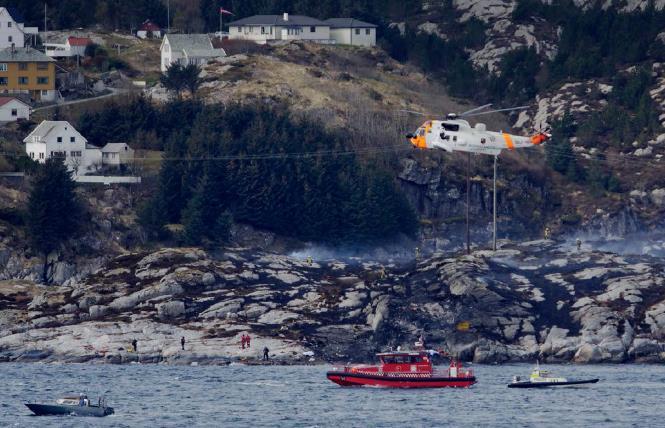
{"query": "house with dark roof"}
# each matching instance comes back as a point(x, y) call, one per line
point(27, 71)
point(188, 49)
point(12, 30)
point(350, 31)
point(266, 28)
point(149, 30)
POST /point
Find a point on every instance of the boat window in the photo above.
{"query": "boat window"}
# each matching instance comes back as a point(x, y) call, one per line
point(450, 127)
point(389, 359)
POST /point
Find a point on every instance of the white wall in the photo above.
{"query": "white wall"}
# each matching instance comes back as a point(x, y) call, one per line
point(141, 34)
point(10, 32)
point(118, 158)
point(22, 111)
point(253, 33)
point(320, 33)
point(59, 50)
point(348, 36)
point(167, 55)
point(107, 179)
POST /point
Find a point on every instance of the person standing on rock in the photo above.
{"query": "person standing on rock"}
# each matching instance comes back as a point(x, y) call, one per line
point(135, 345)
point(579, 244)
point(266, 354)
point(242, 341)
point(248, 340)
point(182, 342)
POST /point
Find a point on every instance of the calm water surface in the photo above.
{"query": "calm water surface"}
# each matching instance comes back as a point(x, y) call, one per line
point(242, 396)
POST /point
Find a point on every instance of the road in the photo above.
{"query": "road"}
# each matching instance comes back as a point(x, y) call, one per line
point(114, 92)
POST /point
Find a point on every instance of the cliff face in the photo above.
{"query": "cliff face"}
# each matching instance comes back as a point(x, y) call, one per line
point(522, 302)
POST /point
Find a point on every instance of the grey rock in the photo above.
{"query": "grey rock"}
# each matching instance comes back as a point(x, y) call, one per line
point(170, 310)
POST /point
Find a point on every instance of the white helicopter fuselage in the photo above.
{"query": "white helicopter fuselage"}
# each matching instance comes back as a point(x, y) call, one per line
point(457, 135)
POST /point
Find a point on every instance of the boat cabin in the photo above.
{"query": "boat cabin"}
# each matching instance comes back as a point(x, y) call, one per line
point(410, 362)
point(72, 400)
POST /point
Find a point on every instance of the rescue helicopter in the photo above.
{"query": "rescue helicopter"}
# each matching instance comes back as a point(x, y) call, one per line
point(456, 134)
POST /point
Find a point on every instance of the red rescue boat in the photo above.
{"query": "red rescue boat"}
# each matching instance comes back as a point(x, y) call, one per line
point(409, 369)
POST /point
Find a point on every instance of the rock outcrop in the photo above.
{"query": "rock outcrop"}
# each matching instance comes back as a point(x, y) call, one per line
point(522, 302)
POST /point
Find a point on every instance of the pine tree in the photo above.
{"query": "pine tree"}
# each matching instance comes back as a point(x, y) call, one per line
point(54, 211)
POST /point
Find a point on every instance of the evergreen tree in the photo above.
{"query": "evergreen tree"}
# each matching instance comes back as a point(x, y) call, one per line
point(54, 211)
point(191, 79)
point(174, 79)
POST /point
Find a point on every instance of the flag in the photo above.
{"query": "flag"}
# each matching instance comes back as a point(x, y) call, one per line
point(224, 11)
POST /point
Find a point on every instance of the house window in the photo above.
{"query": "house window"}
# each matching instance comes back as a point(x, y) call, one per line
point(367, 31)
point(3, 66)
point(75, 154)
point(59, 139)
point(240, 29)
point(9, 39)
point(32, 155)
point(42, 80)
point(42, 66)
point(14, 112)
point(23, 80)
point(9, 24)
point(312, 29)
point(357, 31)
point(44, 93)
point(22, 65)
point(3, 81)
point(41, 156)
point(72, 139)
point(263, 30)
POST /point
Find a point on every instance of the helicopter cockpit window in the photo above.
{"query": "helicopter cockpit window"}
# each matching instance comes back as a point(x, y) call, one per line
point(450, 127)
point(420, 132)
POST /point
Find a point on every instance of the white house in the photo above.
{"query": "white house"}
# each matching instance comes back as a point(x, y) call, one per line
point(73, 46)
point(13, 109)
point(349, 31)
point(188, 49)
point(149, 30)
point(265, 28)
point(117, 154)
point(12, 31)
point(60, 139)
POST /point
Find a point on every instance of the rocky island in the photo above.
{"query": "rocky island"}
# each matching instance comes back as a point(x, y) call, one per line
point(532, 300)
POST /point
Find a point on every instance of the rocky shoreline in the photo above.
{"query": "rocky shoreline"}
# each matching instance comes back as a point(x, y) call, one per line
point(525, 301)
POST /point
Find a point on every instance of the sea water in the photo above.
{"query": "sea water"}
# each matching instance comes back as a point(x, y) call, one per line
point(301, 396)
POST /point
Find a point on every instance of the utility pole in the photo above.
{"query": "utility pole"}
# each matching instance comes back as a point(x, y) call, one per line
point(468, 202)
point(494, 206)
point(45, 18)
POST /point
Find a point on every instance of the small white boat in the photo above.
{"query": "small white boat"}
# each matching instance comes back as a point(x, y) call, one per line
point(540, 378)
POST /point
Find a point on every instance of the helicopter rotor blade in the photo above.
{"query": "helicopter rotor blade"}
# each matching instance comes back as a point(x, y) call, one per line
point(497, 111)
point(419, 113)
point(473, 110)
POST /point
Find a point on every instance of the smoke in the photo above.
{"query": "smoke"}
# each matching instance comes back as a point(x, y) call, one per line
point(398, 253)
point(651, 243)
